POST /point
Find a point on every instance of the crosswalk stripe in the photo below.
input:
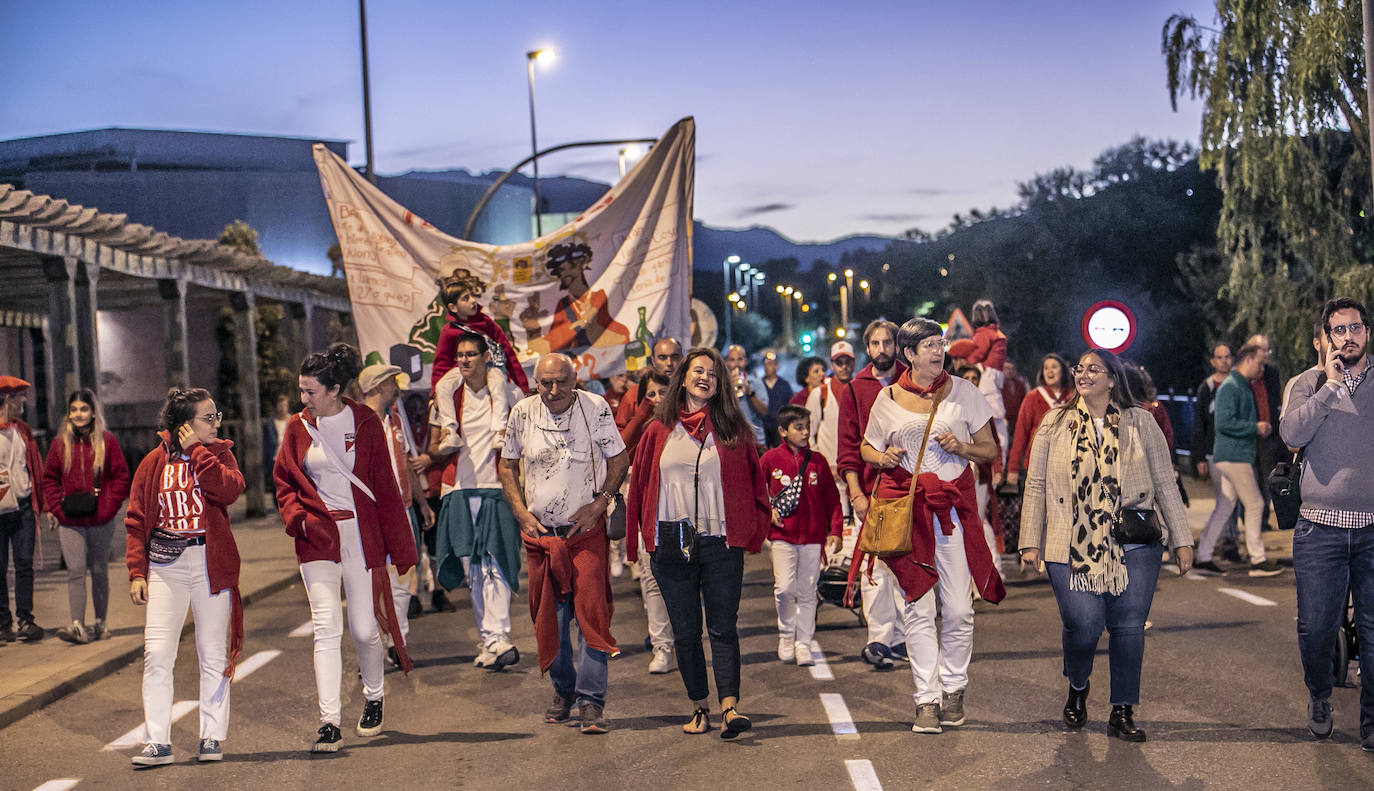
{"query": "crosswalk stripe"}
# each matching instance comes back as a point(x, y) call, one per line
point(1246, 596)
point(252, 663)
point(60, 784)
point(821, 670)
point(838, 714)
point(863, 777)
point(139, 735)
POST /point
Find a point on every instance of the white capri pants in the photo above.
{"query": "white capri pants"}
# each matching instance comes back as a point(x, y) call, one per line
point(939, 664)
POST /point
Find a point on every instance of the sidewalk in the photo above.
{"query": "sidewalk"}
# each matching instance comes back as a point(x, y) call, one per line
point(32, 675)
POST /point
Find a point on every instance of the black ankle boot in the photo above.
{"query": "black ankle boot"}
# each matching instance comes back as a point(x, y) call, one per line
point(1122, 726)
point(1076, 707)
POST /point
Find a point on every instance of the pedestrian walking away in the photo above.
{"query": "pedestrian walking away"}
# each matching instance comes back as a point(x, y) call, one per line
point(924, 434)
point(339, 501)
point(1099, 464)
point(181, 554)
point(1330, 415)
point(560, 468)
point(696, 530)
point(85, 482)
point(21, 511)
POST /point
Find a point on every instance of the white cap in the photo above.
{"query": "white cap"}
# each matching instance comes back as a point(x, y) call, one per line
point(841, 349)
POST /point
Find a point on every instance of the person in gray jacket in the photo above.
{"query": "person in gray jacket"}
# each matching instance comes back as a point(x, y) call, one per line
point(1091, 460)
point(1330, 415)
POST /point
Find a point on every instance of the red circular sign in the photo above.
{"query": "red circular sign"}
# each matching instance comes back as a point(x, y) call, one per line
point(1109, 325)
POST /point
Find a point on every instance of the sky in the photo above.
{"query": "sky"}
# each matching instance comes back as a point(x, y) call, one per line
point(819, 119)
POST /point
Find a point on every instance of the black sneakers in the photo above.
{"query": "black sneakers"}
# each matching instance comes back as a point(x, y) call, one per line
point(29, 631)
point(370, 724)
point(1208, 568)
point(1319, 717)
point(1265, 568)
point(329, 738)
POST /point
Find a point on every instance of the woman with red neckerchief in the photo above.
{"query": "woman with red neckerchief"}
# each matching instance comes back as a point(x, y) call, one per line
point(945, 555)
point(698, 440)
point(1053, 387)
point(340, 501)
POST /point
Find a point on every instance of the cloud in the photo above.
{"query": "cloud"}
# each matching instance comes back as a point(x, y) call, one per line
point(893, 217)
point(932, 192)
point(764, 208)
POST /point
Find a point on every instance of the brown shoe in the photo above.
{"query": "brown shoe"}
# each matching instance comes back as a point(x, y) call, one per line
point(593, 718)
point(560, 711)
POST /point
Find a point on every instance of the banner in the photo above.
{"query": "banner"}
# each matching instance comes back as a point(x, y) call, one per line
point(599, 289)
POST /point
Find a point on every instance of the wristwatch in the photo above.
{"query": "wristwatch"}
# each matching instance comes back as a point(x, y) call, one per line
point(610, 496)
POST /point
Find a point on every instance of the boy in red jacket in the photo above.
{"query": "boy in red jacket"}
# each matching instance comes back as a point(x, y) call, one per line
point(797, 537)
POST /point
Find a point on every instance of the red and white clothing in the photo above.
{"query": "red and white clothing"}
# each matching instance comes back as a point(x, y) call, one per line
point(796, 545)
point(21, 466)
point(1034, 407)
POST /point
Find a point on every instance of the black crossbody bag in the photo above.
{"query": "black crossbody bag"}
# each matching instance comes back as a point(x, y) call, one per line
point(677, 542)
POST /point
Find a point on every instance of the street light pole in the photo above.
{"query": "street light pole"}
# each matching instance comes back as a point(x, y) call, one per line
point(726, 268)
point(367, 94)
point(530, 58)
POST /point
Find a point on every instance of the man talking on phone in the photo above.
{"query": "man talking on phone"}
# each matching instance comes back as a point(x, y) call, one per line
point(1331, 416)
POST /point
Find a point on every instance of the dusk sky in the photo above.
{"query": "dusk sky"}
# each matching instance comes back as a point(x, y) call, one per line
point(818, 119)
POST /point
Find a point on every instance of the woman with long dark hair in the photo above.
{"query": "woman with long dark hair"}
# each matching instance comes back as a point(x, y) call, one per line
point(1099, 465)
point(181, 553)
point(339, 499)
point(810, 375)
point(1053, 387)
point(696, 529)
point(84, 484)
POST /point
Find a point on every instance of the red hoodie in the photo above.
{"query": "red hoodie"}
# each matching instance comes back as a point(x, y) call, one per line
point(58, 483)
point(818, 511)
point(447, 347)
point(220, 482)
point(989, 347)
point(855, 406)
point(1034, 407)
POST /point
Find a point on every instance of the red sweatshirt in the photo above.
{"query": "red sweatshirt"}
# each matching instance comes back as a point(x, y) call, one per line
point(447, 347)
point(1034, 407)
point(574, 566)
point(220, 483)
point(818, 511)
point(634, 427)
point(78, 477)
point(855, 406)
point(989, 347)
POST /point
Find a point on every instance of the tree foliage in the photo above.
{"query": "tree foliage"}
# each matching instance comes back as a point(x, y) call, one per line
point(1285, 127)
point(241, 236)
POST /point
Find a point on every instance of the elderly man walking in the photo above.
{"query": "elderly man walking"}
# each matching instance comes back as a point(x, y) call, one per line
point(560, 468)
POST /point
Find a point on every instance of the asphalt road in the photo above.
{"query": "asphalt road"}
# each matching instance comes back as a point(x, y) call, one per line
point(1223, 704)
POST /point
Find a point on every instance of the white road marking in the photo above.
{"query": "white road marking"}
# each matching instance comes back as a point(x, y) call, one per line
point(61, 784)
point(247, 666)
point(139, 735)
point(821, 670)
point(1245, 596)
point(838, 713)
point(303, 630)
point(863, 777)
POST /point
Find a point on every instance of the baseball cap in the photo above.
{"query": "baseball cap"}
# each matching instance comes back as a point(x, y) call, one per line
point(841, 349)
point(373, 375)
point(12, 384)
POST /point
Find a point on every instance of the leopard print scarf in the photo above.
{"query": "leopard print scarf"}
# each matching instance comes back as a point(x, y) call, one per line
point(1096, 563)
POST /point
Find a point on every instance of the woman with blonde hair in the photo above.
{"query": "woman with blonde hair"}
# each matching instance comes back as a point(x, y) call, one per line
point(85, 481)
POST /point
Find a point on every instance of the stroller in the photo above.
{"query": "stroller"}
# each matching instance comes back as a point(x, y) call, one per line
point(1347, 646)
point(830, 589)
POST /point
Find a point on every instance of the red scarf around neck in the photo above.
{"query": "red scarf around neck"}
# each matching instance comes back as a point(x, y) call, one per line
point(698, 423)
point(908, 384)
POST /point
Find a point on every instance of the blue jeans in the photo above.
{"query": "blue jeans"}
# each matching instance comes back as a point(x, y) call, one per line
point(588, 679)
point(1328, 562)
point(1086, 614)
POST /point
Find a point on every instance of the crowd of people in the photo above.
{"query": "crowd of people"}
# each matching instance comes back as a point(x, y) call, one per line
point(918, 474)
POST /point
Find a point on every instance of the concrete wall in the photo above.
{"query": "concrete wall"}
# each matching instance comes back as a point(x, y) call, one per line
point(133, 362)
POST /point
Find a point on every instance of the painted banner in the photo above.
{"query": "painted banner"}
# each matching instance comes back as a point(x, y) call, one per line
point(599, 289)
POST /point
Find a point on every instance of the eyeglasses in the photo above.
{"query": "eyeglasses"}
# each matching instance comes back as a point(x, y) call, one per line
point(1091, 370)
point(213, 420)
point(933, 344)
point(1354, 328)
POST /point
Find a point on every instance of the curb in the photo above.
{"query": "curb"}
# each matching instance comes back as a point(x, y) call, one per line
point(27, 701)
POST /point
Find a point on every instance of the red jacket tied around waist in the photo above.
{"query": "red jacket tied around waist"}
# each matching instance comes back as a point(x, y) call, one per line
point(383, 527)
point(561, 567)
point(818, 513)
point(79, 476)
point(220, 482)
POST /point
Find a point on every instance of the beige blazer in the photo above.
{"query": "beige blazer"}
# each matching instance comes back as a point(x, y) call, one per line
point(1148, 483)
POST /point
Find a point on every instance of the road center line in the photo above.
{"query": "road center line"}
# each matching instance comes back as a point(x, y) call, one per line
point(821, 670)
point(303, 630)
point(838, 714)
point(247, 666)
point(1246, 596)
point(61, 784)
point(139, 735)
point(863, 777)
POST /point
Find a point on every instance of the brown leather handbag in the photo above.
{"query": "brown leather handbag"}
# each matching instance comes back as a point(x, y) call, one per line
point(887, 530)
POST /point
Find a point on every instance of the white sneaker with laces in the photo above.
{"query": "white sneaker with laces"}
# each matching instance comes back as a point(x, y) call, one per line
point(662, 660)
point(804, 655)
point(787, 650)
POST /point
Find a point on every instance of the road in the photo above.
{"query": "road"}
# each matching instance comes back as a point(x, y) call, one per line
point(1223, 704)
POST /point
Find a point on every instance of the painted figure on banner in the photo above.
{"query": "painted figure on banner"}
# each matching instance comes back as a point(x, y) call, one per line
point(582, 317)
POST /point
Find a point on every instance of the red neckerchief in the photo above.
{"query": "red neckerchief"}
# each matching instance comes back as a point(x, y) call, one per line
point(698, 424)
point(908, 384)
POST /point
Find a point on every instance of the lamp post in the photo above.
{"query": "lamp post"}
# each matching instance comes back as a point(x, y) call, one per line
point(785, 293)
point(726, 267)
point(367, 93)
point(542, 55)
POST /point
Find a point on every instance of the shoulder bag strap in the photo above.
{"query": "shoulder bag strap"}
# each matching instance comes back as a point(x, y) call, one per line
point(925, 437)
point(338, 464)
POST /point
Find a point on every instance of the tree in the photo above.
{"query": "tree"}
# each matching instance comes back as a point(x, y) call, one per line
point(1284, 127)
point(241, 236)
point(275, 376)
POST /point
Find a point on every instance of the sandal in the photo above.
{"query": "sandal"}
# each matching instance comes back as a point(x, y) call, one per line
point(733, 726)
point(700, 722)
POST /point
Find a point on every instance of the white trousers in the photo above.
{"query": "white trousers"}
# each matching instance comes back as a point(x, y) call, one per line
point(490, 594)
point(171, 589)
point(323, 579)
point(983, 492)
point(883, 603)
point(796, 567)
point(1237, 480)
point(400, 599)
point(940, 663)
point(660, 628)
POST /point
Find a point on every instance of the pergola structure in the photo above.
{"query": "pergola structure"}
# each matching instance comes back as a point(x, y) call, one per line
point(59, 261)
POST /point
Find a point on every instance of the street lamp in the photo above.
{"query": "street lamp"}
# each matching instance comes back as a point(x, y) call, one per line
point(542, 56)
point(626, 154)
point(726, 266)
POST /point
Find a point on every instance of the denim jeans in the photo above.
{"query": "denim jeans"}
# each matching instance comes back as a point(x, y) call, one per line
point(714, 582)
point(1085, 615)
point(1328, 562)
point(17, 530)
point(586, 680)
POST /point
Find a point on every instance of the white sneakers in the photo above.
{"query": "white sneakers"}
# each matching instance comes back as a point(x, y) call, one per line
point(662, 660)
point(485, 657)
point(803, 654)
point(787, 650)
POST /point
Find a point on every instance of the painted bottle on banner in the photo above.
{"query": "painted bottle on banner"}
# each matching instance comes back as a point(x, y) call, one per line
point(637, 350)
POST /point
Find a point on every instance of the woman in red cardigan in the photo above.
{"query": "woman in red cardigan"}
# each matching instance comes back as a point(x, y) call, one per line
point(339, 499)
point(1053, 387)
point(84, 484)
point(698, 440)
point(180, 554)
